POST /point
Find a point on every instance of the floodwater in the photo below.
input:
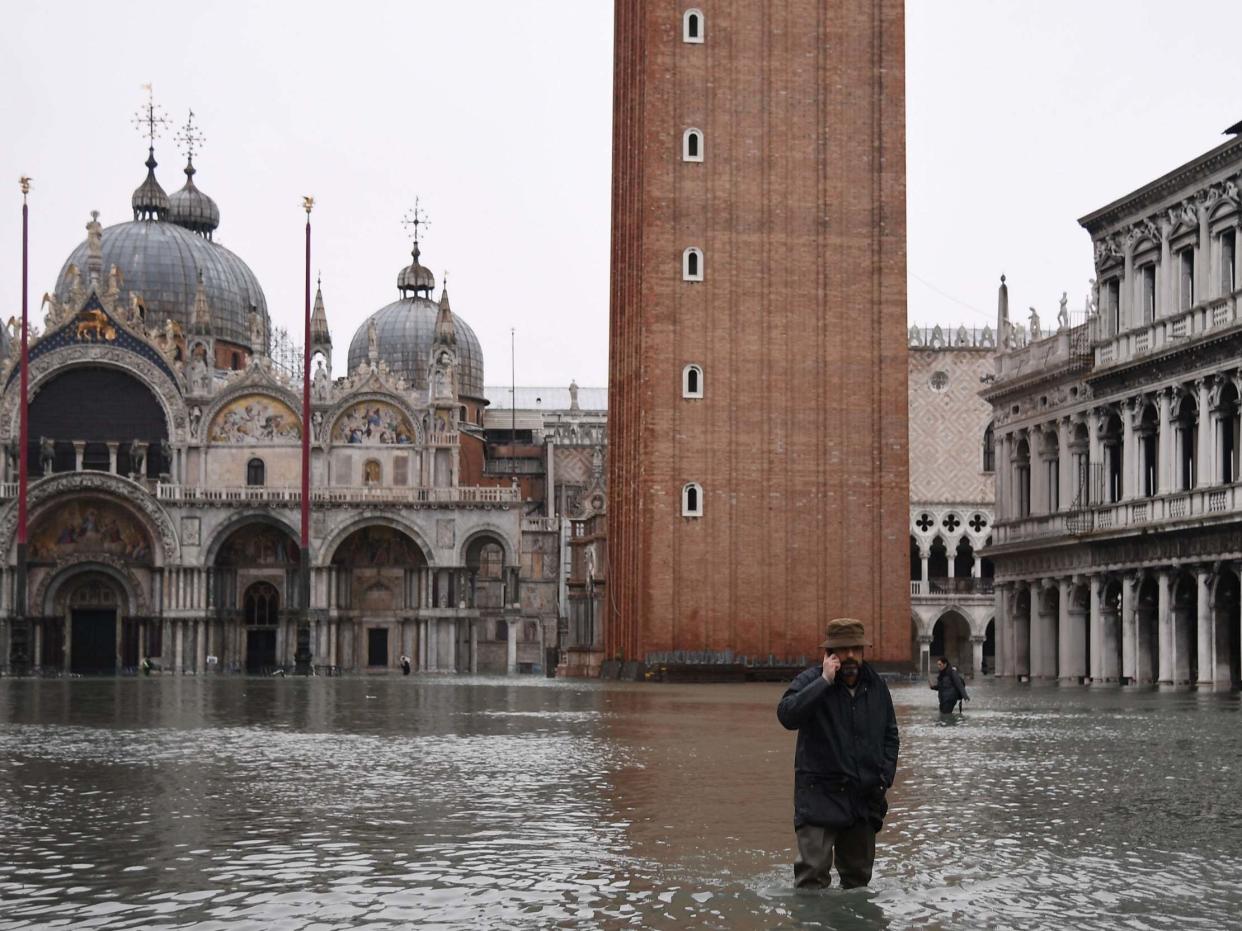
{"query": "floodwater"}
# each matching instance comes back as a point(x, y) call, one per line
point(487, 803)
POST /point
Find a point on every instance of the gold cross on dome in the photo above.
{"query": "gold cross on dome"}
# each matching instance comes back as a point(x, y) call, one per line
point(191, 138)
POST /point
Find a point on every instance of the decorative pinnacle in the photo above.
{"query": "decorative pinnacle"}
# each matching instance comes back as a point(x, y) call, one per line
point(191, 138)
point(152, 117)
point(308, 204)
point(24, 181)
point(414, 219)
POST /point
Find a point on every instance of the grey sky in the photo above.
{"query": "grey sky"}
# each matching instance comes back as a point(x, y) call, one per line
point(1021, 117)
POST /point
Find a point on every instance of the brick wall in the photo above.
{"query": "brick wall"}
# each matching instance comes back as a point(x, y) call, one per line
point(800, 440)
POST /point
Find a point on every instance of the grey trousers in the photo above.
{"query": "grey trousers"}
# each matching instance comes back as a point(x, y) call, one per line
point(855, 854)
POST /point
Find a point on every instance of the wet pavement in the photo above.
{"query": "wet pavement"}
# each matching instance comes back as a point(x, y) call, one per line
point(450, 803)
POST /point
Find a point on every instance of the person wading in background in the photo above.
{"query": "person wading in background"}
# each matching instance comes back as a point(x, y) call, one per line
point(845, 761)
point(949, 686)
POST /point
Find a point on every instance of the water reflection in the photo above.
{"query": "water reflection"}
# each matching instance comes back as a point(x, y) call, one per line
point(391, 802)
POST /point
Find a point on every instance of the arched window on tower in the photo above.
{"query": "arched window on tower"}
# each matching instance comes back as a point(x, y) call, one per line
point(256, 473)
point(692, 264)
point(692, 381)
point(692, 27)
point(692, 145)
point(692, 500)
point(989, 448)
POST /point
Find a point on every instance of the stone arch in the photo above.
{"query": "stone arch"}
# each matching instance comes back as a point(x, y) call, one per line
point(511, 558)
point(229, 527)
point(972, 622)
point(338, 536)
point(54, 490)
point(346, 404)
point(50, 588)
point(249, 389)
point(951, 632)
point(169, 393)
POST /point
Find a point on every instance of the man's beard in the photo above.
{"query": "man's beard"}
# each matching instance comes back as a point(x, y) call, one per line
point(849, 670)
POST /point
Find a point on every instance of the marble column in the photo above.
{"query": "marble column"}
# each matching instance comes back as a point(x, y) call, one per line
point(1096, 633)
point(1204, 469)
point(1131, 461)
point(976, 651)
point(1071, 628)
point(1129, 594)
point(79, 450)
point(1065, 463)
point(1168, 275)
point(1040, 620)
point(511, 663)
point(112, 451)
point(1095, 457)
point(1164, 448)
point(1164, 620)
point(1003, 630)
point(1205, 659)
point(474, 646)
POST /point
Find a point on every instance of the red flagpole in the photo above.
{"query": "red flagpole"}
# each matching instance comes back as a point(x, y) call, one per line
point(306, 388)
point(23, 439)
point(302, 655)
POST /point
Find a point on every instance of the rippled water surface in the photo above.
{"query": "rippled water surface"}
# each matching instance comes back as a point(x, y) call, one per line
point(392, 802)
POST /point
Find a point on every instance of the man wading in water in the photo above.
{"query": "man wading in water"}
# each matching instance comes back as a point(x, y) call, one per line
point(845, 760)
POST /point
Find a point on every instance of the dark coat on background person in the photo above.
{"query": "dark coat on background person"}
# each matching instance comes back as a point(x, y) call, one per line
point(950, 687)
point(846, 757)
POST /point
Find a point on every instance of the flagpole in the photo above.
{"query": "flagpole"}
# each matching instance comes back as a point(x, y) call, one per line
point(20, 656)
point(302, 656)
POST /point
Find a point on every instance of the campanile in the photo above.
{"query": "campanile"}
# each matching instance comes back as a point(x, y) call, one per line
point(757, 408)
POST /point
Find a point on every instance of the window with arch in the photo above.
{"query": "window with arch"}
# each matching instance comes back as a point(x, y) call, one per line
point(692, 27)
point(989, 448)
point(692, 500)
point(371, 473)
point(692, 381)
point(692, 145)
point(256, 472)
point(692, 264)
point(262, 605)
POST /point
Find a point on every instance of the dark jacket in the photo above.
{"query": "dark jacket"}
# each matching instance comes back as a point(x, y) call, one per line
point(846, 756)
point(950, 687)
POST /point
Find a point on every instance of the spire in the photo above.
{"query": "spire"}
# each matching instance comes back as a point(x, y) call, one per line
point(190, 207)
point(1002, 310)
point(201, 320)
point(320, 335)
point(94, 250)
point(446, 326)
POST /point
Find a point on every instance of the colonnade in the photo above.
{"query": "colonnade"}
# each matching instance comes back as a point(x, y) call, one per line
point(1171, 439)
point(1172, 624)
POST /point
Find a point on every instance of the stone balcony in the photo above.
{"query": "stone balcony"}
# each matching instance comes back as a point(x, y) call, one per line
point(1161, 512)
point(938, 589)
point(1209, 318)
point(245, 495)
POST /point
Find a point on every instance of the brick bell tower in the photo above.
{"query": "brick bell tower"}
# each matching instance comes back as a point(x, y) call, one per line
point(758, 467)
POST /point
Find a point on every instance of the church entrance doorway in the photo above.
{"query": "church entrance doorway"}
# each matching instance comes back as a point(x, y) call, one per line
point(377, 646)
point(93, 641)
point(262, 610)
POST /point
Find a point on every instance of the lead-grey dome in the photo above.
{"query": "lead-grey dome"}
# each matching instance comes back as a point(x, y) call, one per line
point(404, 332)
point(160, 261)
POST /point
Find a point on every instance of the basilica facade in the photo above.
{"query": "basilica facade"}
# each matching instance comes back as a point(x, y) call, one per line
point(165, 452)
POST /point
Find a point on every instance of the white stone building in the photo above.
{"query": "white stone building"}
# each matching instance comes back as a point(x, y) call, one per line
point(1118, 539)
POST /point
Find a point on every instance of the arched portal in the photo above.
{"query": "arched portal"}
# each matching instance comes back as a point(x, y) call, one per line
point(254, 585)
point(1111, 640)
point(1183, 665)
point(91, 417)
point(261, 611)
point(951, 639)
point(380, 578)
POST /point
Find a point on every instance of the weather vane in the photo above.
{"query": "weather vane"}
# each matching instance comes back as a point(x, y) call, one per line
point(150, 120)
point(190, 137)
point(414, 219)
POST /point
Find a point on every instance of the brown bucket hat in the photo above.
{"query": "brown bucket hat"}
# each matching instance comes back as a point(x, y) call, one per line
point(845, 632)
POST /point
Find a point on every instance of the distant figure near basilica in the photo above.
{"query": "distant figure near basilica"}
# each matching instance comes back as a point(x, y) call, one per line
point(165, 459)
